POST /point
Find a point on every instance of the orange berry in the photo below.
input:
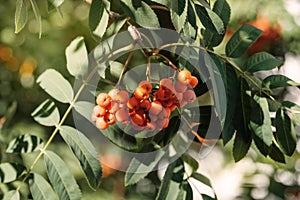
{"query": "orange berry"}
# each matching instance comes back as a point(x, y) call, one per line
point(141, 94)
point(122, 116)
point(161, 123)
point(101, 123)
point(165, 113)
point(167, 103)
point(110, 118)
point(114, 107)
point(145, 105)
point(173, 107)
point(189, 96)
point(180, 87)
point(132, 103)
point(113, 93)
point(145, 86)
point(193, 81)
point(99, 111)
point(166, 124)
point(184, 77)
point(103, 99)
point(160, 94)
point(178, 98)
point(166, 83)
point(122, 96)
point(138, 119)
point(153, 117)
point(183, 103)
point(155, 108)
point(150, 126)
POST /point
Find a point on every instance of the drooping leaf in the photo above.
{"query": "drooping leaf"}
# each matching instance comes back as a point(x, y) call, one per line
point(241, 40)
point(141, 13)
point(295, 110)
point(46, 114)
point(190, 27)
point(98, 17)
point(139, 169)
point(275, 81)
point(56, 86)
point(261, 61)
point(25, 144)
point(41, 189)
point(222, 9)
point(178, 12)
point(115, 27)
point(61, 178)
point(170, 186)
point(190, 161)
point(185, 191)
point(12, 195)
point(37, 15)
point(86, 154)
point(210, 19)
point(232, 85)
point(203, 179)
point(276, 154)
point(21, 15)
point(10, 172)
point(206, 197)
point(77, 57)
point(241, 121)
point(285, 133)
point(260, 122)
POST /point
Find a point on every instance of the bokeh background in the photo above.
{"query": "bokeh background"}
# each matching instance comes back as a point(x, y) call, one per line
point(24, 56)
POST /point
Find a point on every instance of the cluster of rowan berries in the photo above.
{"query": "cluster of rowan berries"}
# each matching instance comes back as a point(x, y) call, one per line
point(148, 108)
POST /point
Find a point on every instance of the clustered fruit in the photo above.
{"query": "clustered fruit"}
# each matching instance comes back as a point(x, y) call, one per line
point(147, 108)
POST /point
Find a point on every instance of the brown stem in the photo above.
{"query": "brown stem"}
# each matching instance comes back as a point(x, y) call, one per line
point(124, 68)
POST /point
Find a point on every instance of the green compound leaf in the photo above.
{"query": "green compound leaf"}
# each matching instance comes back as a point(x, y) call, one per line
point(77, 57)
point(21, 15)
point(85, 153)
point(210, 19)
point(241, 40)
point(46, 114)
point(10, 172)
point(56, 86)
point(178, 12)
point(261, 61)
point(138, 170)
point(141, 13)
point(12, 195)
point(61, 178)
point(41, 189)
point(275, 81)
point(285, 132)
point(25, 144)
point(98, 17)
